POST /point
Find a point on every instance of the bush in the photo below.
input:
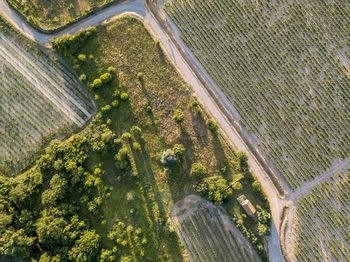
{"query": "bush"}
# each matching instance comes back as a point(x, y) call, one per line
point(115, 103)
point(116, 94)
point(257, 188)
point(192, 105)
point(111, 69)
point(243, 160)
point(82, 77)
point(82, 57)
point(249, 176)
point(136, 146)
point(106, 109)
point(179, 116)
point(168, 157)
point(212, 126)
point(96, 83)
point(106, 78)
point(148, 109)
point(139, 76)
point(124, 96)
point(126, 136)
point(179, 150)
point(198, 170)
point(136, 131)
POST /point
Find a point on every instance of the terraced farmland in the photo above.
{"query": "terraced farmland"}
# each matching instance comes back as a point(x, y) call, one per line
point(208, 234)
point(323, 223)
point(285, 68)
point(39, 99)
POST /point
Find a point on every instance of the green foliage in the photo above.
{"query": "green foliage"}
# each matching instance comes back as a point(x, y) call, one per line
point(86, 247)
point(136, 131)
point(70, 43)
point(179, 150)
point(198, 170)
point(257, 188)
point(96, 83)
point(115, 103)
point(215, 188)
point(106, 78)
point(237, 186)
point(105, 109)
point(82, 57)
point(111, 69)
point(179, 116)
point(212, 125)
point(139, 76)
point(148, 109)
point(122, 159)
point(126, 137)
point(261, 229)
point(243, 160)
point(124, 96)
point(82, 77)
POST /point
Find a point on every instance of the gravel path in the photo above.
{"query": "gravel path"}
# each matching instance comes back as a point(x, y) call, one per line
point(138, 9)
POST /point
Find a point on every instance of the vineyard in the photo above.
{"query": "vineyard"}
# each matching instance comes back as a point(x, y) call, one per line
point(40, 99)
point(208, 234)
point(285, 67)
point(323, 225)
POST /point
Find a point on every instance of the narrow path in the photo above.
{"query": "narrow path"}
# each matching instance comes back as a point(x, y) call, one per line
point(306, 188)
point(137, 8)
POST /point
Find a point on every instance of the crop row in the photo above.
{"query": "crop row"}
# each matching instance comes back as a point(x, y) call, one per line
point(283, 69)
point(323, 222)
point(205, 237)
point(40, 99)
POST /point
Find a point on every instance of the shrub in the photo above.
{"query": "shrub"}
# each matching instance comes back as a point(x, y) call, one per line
point(148, 109)
point(91, 57)
point(136, 131)
point(111, 69)
point(115, 103)
point(126, 136)
point(116, 94)
point(198, 170)
point(211, 124)
point(192, 105)
point(106, 109)
point(124, 96)
point(82, 77)
point(106, 78)
point(136, 146)
point(96, 83)
point(179, 150)
point(122, 158)
point(168, 157)
point(139, 76)
point(82, 57)
point(179, 116)
point(257, 188)
point(249, 176)
point(243, 160)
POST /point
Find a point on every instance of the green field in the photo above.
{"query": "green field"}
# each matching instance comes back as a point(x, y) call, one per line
point(322, 227)
point(104, 193)
point(53, 14)
point(285, 68)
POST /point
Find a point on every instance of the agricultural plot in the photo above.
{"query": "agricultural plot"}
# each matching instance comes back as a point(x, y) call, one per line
point(208, 234)
point(285, 67)
point(323, 222)
point(39, 99)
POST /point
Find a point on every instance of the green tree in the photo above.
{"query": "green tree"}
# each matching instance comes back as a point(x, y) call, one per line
point(179, 150)
point(212, 125)
point(198, 170)
point(215, 188)
point(243, 160)
point(179, 116)
point(86, 247)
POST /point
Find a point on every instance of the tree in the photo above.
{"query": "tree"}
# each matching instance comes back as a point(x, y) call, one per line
point(257, 188)
point(179, 116)
point(86, 247)
point(198, 170)
point(96, 83)
point(122, 158)
point(212, 125)
point(124, 96)
point(106, 78)
point(215, 188)
point(82, 57)
point(243, 160)
point(237, 186)
point(111, 69)
point(179, 150)
point(125, 259)
point(136, 131)
point(261, 229)
point(107, 255)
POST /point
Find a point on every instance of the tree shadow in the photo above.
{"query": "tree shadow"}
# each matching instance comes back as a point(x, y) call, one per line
point(219, 153)
point(200, 128)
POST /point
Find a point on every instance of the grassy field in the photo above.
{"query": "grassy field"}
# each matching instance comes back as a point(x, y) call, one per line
point(40, 100)
point(128, 207)
point(284, 69)
point(322, 227)
point(53, 14)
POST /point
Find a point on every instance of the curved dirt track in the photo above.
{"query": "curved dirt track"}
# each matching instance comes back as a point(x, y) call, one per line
point(138, 9)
